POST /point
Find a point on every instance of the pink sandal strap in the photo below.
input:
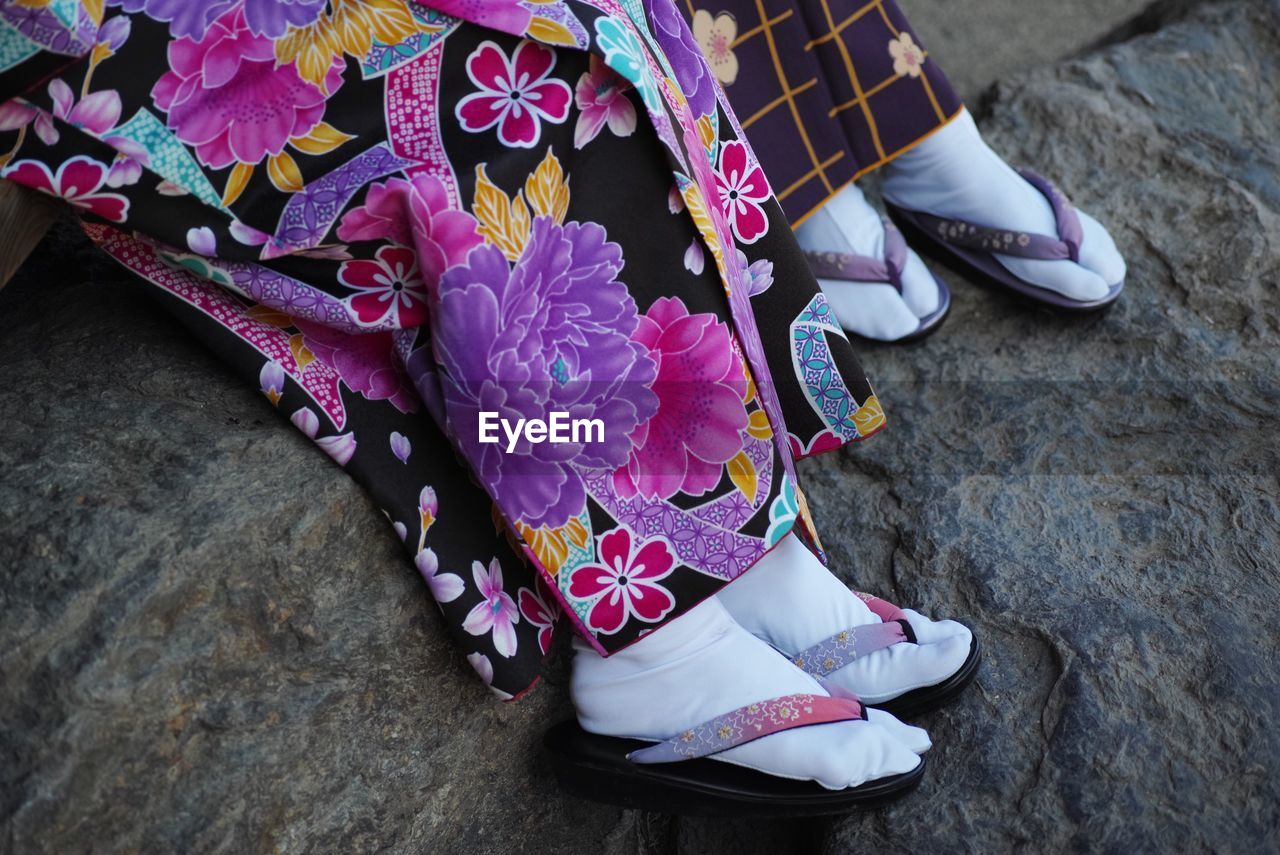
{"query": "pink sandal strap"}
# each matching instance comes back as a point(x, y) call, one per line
point(749, 723)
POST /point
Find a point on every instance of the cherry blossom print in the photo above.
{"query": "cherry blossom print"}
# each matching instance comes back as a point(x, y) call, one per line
point(271, 380)
point(445, 587)
point(625, 585)
point(497, 612)
point(743, 191)
point(79, 181)
point(96, 112)
point(908, 58)
point(541, 610)
point(602, 100)
point(516, 93)
point(391, 291)
point(400, 446)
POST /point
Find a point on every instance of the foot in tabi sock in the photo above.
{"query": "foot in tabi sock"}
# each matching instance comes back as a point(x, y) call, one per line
point(795, 604)
point(702, 666)
point(953, 196)
point(877, 287)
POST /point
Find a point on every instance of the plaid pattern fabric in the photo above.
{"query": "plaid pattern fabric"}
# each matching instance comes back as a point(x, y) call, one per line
point(826, 90)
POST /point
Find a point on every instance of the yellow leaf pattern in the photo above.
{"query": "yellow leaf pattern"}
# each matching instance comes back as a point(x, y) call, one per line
point(284, 173)
point(269, 316)
point(549, 31)
point(346, 26)
point(236, 182)
point(322, 139)
point(870, 416)
point(551, 545)
point(742, 472)
point(758, 425)
point(547, 189)
point(301, 353)
point(501, 222)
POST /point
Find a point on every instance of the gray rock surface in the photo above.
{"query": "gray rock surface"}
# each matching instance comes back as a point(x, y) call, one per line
point(981, 41)
point(193, 659)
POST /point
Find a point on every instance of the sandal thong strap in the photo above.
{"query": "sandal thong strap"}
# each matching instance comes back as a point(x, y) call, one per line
point(832, 654)
point(1066, 246)
point(749, 723)
point(848, 267)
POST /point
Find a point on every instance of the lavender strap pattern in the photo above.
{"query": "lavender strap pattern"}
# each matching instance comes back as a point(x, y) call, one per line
point(1066, 246)
point(848, 267)
point(749, 723)
point(839, 650)
point(311, 211)
point(286, 294)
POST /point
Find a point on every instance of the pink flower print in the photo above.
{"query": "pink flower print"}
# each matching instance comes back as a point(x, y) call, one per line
point(130, 158)
point(484, 668)
point(540, 610)
point(228, 96)
point(271, 379)
point(601, 99)
point(391, 293)
point(497, 612)
point(341, 447)
point(96, 112)
point(17, 114)
point(908, 58)
point(202, 241)
point(428, 506)
point(700, 386)
point(414, 213)
point(743, 190)
point(400, 446)
point(305, 420)
point(516, 94)
point(78, 181)
point(626, 584)
point(445, 587)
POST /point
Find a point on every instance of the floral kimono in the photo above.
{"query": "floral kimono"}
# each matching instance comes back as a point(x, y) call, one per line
point(408, 223)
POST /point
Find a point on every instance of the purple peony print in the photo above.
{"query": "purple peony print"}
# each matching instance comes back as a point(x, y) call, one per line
point(549, 334)
point(193, 17)
point(685, 56)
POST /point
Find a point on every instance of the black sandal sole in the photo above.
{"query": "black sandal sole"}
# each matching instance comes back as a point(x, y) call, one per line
point(929, 698)
point(595, 768)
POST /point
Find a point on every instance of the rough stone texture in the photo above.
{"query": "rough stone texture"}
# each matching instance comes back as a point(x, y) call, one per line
point(192, 658)
point(981, 41)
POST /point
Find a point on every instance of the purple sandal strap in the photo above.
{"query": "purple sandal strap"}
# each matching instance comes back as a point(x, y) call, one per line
point(839, 650)
point(750, 723)
point(847, 267)
point(1066, 246)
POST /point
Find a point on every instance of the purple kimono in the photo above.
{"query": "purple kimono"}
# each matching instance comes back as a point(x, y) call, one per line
point(416, 225)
